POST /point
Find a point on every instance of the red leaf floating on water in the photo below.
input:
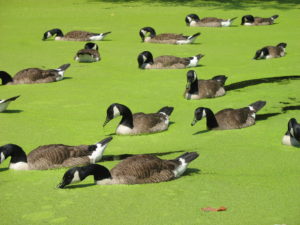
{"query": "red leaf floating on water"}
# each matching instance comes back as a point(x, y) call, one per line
point(210, 209)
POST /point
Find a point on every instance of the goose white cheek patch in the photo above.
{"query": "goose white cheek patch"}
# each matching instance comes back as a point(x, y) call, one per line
point(292, 132)
point(2, 157)
point(116, 111)
point(76, 178)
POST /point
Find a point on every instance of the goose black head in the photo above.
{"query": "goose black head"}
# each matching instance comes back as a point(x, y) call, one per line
point(294, 129)
point(247, 19)
point(115, 110)
point(78, 174)
point(198, 115)
point(70, 177)
point(5, 77)
point(144, 31)
point(191, 17)
point(91, 45)
point(282, 45)
point(14, 151)
point(145, 58)
point(51, 33)
point(261, 54)
point(191, 77)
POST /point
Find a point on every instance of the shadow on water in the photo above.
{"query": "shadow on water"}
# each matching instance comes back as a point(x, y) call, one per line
point(12, 111)
point(79, 186)
point(124, 156)
point(201, 132)
point(218, 4)
point(191, 171)
point(247, 83)
point(265, 116)
point(287, 108)
point(283, 110)
point(3, 169)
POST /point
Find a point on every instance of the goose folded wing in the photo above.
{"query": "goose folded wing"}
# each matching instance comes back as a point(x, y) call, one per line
point(171, 60)
point(57, 153)
point(170, 36)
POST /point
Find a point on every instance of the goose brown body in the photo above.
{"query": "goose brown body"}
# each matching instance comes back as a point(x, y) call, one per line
point(206, 89)
point(229, 118)
point(143, 169)
point(78, 35)
point(208, 22)
point(92, 54)
point(34, 75)
point(275, 51)
point(169, 62)
point(57, 156)
point(262, 21)
point(52, 156)
point(234, 118)
point(166, 38)
point(146, 123)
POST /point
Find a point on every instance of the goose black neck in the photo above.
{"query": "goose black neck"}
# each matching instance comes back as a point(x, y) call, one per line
point(15, 152)
point(99, 172)
point(211, 121)
point(194, 87)
point(127, 119)
point(5, 77)
point(58, 32)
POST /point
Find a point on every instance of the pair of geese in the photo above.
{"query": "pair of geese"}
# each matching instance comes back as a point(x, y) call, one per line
point(193, 20)
point(137, 169)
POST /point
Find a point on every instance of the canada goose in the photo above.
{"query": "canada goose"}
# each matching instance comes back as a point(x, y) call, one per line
point(197, 89)
point(292, 136)
point(166, 38)
point(88, 54)
point(5, 102)
point(52, 156)
point(193, 20)
point(250, 20)
point(138, 123)
point(34, 76)
point(229, 118)
point(76, 35)
point(269, 52)
point(146, 61)
point(138, 169)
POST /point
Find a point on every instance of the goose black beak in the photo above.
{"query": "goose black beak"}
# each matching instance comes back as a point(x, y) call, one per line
point(106, 121)
point(194, 122)
point(105, 141)
point(61, 185)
